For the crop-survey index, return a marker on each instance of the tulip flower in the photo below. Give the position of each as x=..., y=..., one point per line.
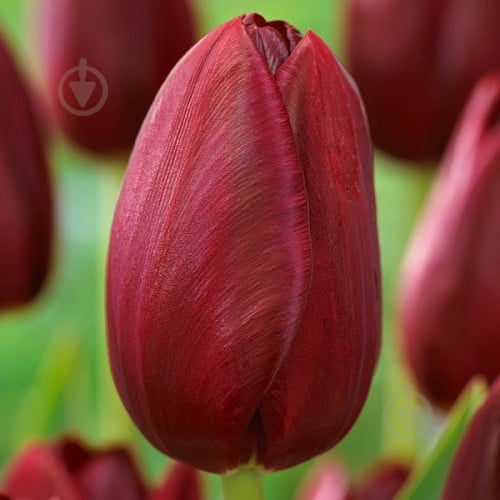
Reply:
x=243, y=276
x=181, y=483
x=70, y=471
x=475, y=472
x=450, y=287
x=25, y=195
x=416, y=63
x=105, y=61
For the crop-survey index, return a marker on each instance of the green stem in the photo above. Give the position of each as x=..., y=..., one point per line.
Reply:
x=246, y=484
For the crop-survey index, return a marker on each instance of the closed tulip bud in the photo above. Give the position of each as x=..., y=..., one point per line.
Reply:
x=416, y=63
x=104, y=61
x=450, y=286
x=70, y=471
x=25, y=195
x=474, y=471
x=243, y=276
x=181, y=483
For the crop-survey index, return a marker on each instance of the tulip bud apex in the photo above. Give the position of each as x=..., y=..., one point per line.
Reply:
x=475, y=471
x=243, y=275
x=181, y=483
x=416, y=63
x=69, y=471
x=25, y=195
x=450, y=287
x=104, y=62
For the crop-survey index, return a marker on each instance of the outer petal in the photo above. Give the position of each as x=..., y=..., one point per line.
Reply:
x=323, y=382
x=132, y=43
x=475, y=470
x=182, y=483
x=450, y=287
x=25, y=197
x=209, y=264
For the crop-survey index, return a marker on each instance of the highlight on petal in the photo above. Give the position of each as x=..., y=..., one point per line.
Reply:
x=209, y=264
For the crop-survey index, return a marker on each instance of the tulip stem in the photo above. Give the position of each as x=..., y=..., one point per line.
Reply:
x=246, y=484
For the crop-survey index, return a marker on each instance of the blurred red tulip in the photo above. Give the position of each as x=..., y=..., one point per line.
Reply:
x=475, y=470
x=450, y=287
x=122, y=48
x=70, y=471
x=326, y=481
x=416, y=62
x=382, y=482
x=243, y=278
x=181, y=483
x=25, y=195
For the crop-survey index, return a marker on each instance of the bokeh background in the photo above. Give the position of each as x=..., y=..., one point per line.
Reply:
x=54, y=375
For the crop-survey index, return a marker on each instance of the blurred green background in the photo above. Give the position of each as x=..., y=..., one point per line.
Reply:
x=54, y=375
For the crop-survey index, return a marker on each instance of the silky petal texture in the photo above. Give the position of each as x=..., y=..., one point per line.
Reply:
x=416, y=63
x=475, y=469
x=25, y=194
x=326, y=481
x=450, y=284
x=132, y=43
x=213, y=206
x=323, y=382
x=182, y=483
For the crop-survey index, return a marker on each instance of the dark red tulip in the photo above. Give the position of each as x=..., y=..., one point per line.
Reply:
x=25, y=195
x=450, y=287
x=382, y=482
x=326, y=481
x=181, y=483
x=416, y=63
x=71, y=471
x=133, y=44
x=243, y=278
x=475, y=469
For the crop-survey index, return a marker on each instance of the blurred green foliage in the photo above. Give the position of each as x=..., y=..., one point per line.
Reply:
x=53, y=369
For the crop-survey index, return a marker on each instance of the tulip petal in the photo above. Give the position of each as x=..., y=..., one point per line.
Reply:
x=324, y=380
x=209, y=264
